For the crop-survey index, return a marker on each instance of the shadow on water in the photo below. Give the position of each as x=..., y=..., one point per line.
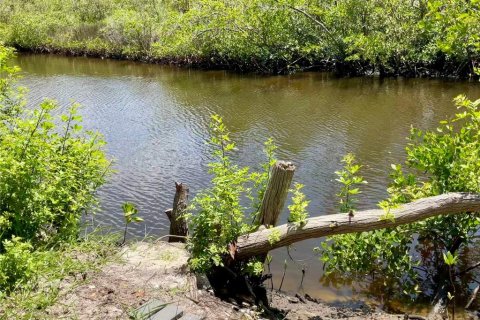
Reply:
x=155, y=119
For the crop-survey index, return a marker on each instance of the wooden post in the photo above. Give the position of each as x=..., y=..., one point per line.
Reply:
x=276, y=193
x=178, y=225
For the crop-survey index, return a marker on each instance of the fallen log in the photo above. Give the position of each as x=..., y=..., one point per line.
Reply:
x=257, y=243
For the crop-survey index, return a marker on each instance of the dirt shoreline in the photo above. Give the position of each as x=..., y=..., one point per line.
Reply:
x=440, y=70
x=143, y=271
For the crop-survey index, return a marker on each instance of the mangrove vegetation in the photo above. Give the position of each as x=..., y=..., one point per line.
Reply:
x=394, y=37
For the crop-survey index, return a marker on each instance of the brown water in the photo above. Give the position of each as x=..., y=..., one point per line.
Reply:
x=155, y=121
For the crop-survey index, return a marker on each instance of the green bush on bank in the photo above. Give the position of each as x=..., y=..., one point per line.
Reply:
x=39, y=277
x=217, y=216
x=437, y=161
x=271, y=36
x=50, y=169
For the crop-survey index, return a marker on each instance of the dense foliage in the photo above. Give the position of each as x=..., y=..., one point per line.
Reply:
x=440, y=161
x=219, y=215
x=229, y=208
x=40, y=277
x=389, y=37
x=50, y=170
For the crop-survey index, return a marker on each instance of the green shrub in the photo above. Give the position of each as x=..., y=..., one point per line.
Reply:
x=133, y=31
x=50, y=169
x=48, y=177
x=298, y=208
x=17, y=264
x=92, y=10
x=11, y=98
x=275, y=36
x=219, y=217
x=444, y=160
x=29, y=31
x=216, y=217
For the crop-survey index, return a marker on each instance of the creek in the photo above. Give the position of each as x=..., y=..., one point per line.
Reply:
x=155, y=120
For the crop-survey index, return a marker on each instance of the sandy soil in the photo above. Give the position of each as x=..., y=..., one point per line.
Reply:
x=159, y=270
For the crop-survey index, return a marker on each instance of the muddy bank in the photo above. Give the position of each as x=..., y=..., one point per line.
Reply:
x=439, y=69
x=159, y=270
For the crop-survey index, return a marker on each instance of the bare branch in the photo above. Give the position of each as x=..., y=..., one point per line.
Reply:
x=451, y=203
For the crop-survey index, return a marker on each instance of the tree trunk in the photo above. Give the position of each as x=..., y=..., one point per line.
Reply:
x=257, y=243
x=178, y=225
x=276, y=193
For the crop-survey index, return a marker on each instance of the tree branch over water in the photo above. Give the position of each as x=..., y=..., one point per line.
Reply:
x=451, y=203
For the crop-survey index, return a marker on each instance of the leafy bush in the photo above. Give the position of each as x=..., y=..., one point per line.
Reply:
x=17, y=263
x=220, y=217
x=29, y=31
x=50, y=170
x=131, y=30
x=216, y=216
x=298, y=208
x=92, y=10
x=48, y=177
x=276, y=36
x=454, y=27
x=440, y=161
x=11, y=99
x=349, y=179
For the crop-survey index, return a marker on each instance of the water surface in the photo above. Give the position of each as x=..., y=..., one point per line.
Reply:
x=155, y=120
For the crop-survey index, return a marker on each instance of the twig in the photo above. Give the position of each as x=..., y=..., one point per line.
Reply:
x=170, y=235
x=298, y=261
x=269, y=261
x=283, y=276
x=454, y=291
x=472, y=297
x=476, y=265
x=303, y=277
x=319, y=23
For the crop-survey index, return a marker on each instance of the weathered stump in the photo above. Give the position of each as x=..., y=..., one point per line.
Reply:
x=281, y=177
x=276, y=193
x=178, y=224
